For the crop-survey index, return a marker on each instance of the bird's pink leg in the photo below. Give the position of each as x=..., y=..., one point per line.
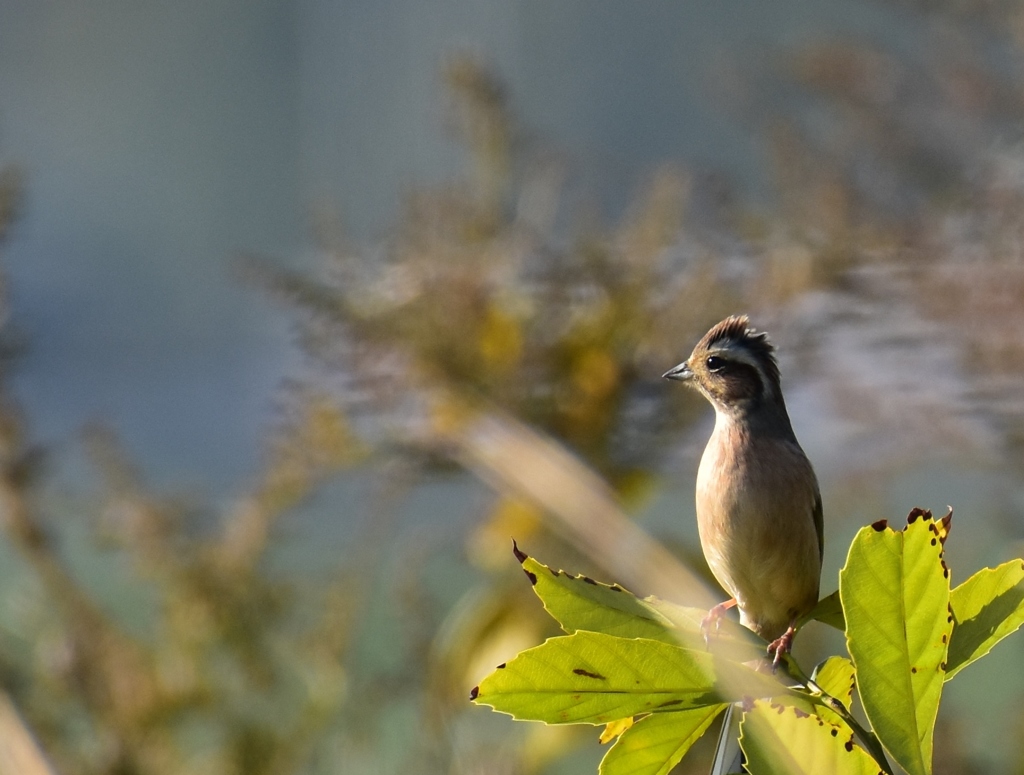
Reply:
x=781, y=645
x=710, y=623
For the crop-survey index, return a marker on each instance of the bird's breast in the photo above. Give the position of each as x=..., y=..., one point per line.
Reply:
x=756, y=499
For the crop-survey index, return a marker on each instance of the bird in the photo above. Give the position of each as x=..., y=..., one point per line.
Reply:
x=759, y=512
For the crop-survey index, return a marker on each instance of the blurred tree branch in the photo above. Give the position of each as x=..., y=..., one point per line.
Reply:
x=518, y=460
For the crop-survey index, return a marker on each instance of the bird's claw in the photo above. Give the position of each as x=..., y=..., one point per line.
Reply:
x=780, y=646
x=706, y=624
x=711, y=623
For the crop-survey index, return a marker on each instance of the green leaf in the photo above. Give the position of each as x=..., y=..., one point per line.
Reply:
x=837, y=678
x=580, y=603
x=829, y=610
x=986, y=608
x=593, y=678
x=782, y=740
x=656, y=743
x=895, y=593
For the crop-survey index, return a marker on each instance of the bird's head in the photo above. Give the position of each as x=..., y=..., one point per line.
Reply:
x=733, y=366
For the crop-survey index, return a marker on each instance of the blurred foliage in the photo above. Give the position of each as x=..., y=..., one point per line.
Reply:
x=895, y=212
x=494, y=295
x=480, y=292
x=899, y=163
x=225, y=678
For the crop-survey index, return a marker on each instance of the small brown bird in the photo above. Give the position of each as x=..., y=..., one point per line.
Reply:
x=758, y=506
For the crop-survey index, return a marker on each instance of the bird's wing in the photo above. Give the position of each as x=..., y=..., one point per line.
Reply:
x=819, y=526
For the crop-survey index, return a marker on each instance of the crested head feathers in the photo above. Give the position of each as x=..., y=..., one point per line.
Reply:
x=735, y=334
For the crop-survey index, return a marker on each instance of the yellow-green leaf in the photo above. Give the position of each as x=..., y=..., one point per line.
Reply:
x=895, y=594
x=986, y=608
x=656, y=743
x=581, y=603
x=829, y=610
x=614, y=728
x=782, y=740
x=836, y=677
x=593, y=678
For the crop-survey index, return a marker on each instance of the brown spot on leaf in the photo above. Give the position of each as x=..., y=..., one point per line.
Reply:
x=588, y=674
x=944, y=637
x=915, y=513
x=500, y=667
x=835, y=732
x=531, y=576
x=848, y=746
x=520, y=555
x=474, y=693
x=835, y=704
x=933, y=542
x=588, y=580
x=615, y=588
x=670, y=702
x=913, y=670
x=553, y=572
x=942, y=667
x=801, y=713
x=880, y=525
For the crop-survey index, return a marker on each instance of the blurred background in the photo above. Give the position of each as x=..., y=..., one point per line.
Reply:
x=310, y=306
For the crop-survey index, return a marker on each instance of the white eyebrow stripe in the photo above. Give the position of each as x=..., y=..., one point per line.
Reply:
x=736, y=352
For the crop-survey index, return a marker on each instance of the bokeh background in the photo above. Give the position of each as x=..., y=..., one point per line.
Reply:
x=311, y=306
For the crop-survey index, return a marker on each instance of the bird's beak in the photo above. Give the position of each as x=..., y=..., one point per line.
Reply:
x=682, y=372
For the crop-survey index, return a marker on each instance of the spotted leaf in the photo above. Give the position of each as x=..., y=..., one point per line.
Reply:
x=581, y=603
x=593, y=678
x=782, y=740
x=895, y=594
